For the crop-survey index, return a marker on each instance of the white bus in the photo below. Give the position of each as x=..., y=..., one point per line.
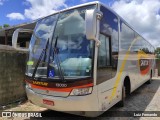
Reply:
x=85, y=58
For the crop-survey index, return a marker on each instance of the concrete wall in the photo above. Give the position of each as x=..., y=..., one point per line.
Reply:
x=12, y=70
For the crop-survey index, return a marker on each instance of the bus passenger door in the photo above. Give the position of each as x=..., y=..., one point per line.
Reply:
x=107, y=59
x=105, y=72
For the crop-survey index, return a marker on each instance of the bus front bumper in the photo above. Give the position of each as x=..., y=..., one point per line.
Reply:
x=87, y=104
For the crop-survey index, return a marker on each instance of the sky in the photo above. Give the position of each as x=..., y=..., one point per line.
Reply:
x=142, y=15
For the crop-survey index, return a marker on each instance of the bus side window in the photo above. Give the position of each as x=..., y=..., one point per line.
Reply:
x=104, y=56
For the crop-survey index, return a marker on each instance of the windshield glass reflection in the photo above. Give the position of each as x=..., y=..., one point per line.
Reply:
x=39, y=40
x=74, y=50
x=59, y=48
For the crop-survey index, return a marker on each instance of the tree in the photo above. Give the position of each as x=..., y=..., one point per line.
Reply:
x=6, y=25
x=157, y=51
x=0, y=27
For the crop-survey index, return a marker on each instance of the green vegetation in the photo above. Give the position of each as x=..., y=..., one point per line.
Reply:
x=157, y=51
x=4, y=26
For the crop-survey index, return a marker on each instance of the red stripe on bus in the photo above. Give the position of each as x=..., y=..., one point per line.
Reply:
x=61, y=89
x=144, y=72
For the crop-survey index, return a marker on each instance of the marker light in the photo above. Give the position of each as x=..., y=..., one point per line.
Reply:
x=28, y=86
x=81, y=91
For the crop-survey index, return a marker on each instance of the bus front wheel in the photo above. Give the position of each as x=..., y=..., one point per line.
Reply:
x=122, y=102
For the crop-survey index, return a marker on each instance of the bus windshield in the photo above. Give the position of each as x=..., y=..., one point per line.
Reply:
x=59, y=48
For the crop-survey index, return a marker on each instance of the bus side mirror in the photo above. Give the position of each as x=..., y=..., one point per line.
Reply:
x=91, y=24
x=91, y=18
x=15, y=38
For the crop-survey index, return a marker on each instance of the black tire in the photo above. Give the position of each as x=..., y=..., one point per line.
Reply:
x=122, y=102
x=150, y=79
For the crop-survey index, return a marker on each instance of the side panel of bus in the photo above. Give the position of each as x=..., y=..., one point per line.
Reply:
x=138, y=53
x=122, y=54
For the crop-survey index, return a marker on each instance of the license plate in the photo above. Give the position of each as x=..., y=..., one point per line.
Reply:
x=48, y=102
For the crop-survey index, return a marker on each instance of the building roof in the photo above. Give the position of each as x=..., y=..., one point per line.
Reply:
x=11, y=29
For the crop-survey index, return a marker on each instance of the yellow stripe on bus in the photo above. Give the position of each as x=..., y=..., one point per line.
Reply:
x=119, y=75
x=121, y=70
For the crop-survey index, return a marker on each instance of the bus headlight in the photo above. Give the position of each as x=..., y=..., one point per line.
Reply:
x=81, y=91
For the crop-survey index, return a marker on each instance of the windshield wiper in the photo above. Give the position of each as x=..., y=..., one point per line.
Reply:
x=55, y=50
x=40, y=58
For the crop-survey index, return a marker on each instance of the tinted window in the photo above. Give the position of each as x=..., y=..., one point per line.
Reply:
x=108, y=51
x=109, y=26
x=137, y=44
x=126, y=36
x=104, y=52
